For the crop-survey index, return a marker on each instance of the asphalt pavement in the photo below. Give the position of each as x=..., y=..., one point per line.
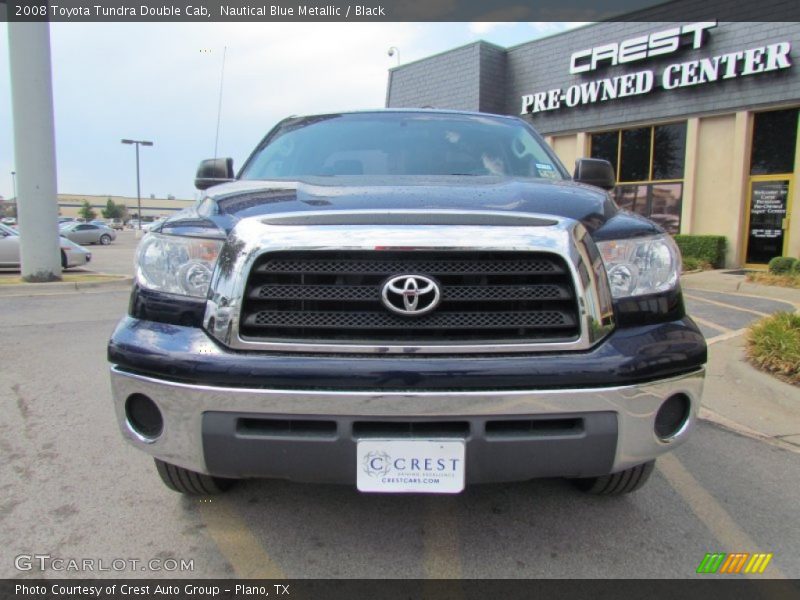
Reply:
x=71, y=488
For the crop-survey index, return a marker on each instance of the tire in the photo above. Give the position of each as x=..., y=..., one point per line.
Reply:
x=105, y=239
x=189, y=482
x=64, y=265
x=617, y=484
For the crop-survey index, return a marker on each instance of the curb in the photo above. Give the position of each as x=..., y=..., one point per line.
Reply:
x=61, y=287
x=727, y=284
x=709, y=415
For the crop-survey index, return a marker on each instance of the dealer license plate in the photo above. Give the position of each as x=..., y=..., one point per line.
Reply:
x=410, y=466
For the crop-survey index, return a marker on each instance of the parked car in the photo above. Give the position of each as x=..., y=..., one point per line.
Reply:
x=88, y=233
x=406, y=301
x=72, y=255
x=116, y=224
x=62, y=220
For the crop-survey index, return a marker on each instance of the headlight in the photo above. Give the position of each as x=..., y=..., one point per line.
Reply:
x=641, y=266
x=176, y=265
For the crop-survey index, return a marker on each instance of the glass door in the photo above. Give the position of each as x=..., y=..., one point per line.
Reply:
x=767, y=223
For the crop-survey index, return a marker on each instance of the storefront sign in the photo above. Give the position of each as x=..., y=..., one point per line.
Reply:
x=731, y=65
x=638, y=48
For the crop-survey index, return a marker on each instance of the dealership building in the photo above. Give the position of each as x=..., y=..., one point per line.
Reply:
x=699, y=118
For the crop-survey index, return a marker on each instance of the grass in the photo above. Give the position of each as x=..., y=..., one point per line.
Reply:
x=14, y=279
x=789, y=281
x=773, y=345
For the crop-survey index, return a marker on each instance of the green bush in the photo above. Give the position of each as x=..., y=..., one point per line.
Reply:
x=705, y=248
x=782, y=265
x=796, y=268
x=773, y=344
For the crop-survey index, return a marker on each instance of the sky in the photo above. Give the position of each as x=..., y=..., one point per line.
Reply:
x=161, y=82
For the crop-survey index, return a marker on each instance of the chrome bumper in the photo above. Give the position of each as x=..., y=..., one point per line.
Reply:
x=183, y=406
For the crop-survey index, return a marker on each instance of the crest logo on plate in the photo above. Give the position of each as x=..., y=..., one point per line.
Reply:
x=411, y=295
x=377, y=463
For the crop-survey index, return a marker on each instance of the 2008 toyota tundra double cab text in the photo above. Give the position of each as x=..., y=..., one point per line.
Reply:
x=408, y=301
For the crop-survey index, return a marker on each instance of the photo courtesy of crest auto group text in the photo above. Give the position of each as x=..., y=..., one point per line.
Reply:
x=382, y=300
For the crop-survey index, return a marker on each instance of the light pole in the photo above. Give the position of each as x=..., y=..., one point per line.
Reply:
x=395, y=50
x=138, y=189
x=14, y=184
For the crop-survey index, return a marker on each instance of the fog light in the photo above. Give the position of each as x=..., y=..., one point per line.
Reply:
x=143, y=416
x=672, y=416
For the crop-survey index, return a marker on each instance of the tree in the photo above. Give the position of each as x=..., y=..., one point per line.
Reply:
x=86, y=211
x=113, y=211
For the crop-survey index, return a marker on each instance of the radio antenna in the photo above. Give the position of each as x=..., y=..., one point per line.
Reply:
x=219, y=104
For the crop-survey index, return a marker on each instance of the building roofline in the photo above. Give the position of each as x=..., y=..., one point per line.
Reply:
x=443, y=52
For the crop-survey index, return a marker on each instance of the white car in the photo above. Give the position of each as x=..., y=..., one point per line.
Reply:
x=72, y=255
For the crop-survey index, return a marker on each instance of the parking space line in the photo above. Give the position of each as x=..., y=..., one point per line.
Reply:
x=236, y=542
x=716, y=519
x=440, y=539
x=725, y=336
x=729, y=306
x=721, y=328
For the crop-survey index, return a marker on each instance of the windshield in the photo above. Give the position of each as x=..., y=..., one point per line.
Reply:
x=402, y=144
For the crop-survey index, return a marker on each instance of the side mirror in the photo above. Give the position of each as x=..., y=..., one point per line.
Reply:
x=594, y=171
x=213, y=172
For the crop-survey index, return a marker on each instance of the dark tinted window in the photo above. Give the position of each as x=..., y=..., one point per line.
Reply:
x=605, y=145
x=402, y=144
x=774, y=139
x=635, y=155
x=669, y=151
x=660, y=202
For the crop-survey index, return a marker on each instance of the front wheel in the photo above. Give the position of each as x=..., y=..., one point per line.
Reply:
x=105, y=239
x=189, y=482
x=616, y=484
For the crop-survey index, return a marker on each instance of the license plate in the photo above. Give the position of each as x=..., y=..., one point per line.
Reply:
x=410, y=466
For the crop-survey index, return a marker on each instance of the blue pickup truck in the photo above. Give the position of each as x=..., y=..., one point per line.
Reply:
x=406, y=301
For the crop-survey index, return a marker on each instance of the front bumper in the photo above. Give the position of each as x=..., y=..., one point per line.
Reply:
x=594, y=430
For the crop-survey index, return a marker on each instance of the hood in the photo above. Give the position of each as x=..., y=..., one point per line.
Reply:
x=224, y=205
x=243, y=199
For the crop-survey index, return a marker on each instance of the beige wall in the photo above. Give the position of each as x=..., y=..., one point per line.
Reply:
x=717, y=197
x=793, y=248
x=69, y=204
x=566, y=148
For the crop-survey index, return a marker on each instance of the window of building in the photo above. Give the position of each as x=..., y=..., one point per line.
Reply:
x=649, y=165
x=774, y=139
x=606, y=146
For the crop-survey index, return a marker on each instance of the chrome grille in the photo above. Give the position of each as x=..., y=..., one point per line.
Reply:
x=326, y=296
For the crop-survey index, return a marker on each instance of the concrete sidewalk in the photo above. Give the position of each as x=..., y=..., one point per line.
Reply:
x=723, y=281
x=737, y=395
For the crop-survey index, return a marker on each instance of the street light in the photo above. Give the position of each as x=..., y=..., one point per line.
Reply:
x=14, y=183
x=138, y=189
x=395, y=50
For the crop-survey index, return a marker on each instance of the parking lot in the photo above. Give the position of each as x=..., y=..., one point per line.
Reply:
x=73, y=489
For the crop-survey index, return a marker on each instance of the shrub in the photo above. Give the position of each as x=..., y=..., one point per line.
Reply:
x=706, y=248
x=695, y=264
x=790, y=280
x=796, y=268
x=773, y=344
x=782, y=265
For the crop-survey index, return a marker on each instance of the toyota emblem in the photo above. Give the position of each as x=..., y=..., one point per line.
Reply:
x=411, y=295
